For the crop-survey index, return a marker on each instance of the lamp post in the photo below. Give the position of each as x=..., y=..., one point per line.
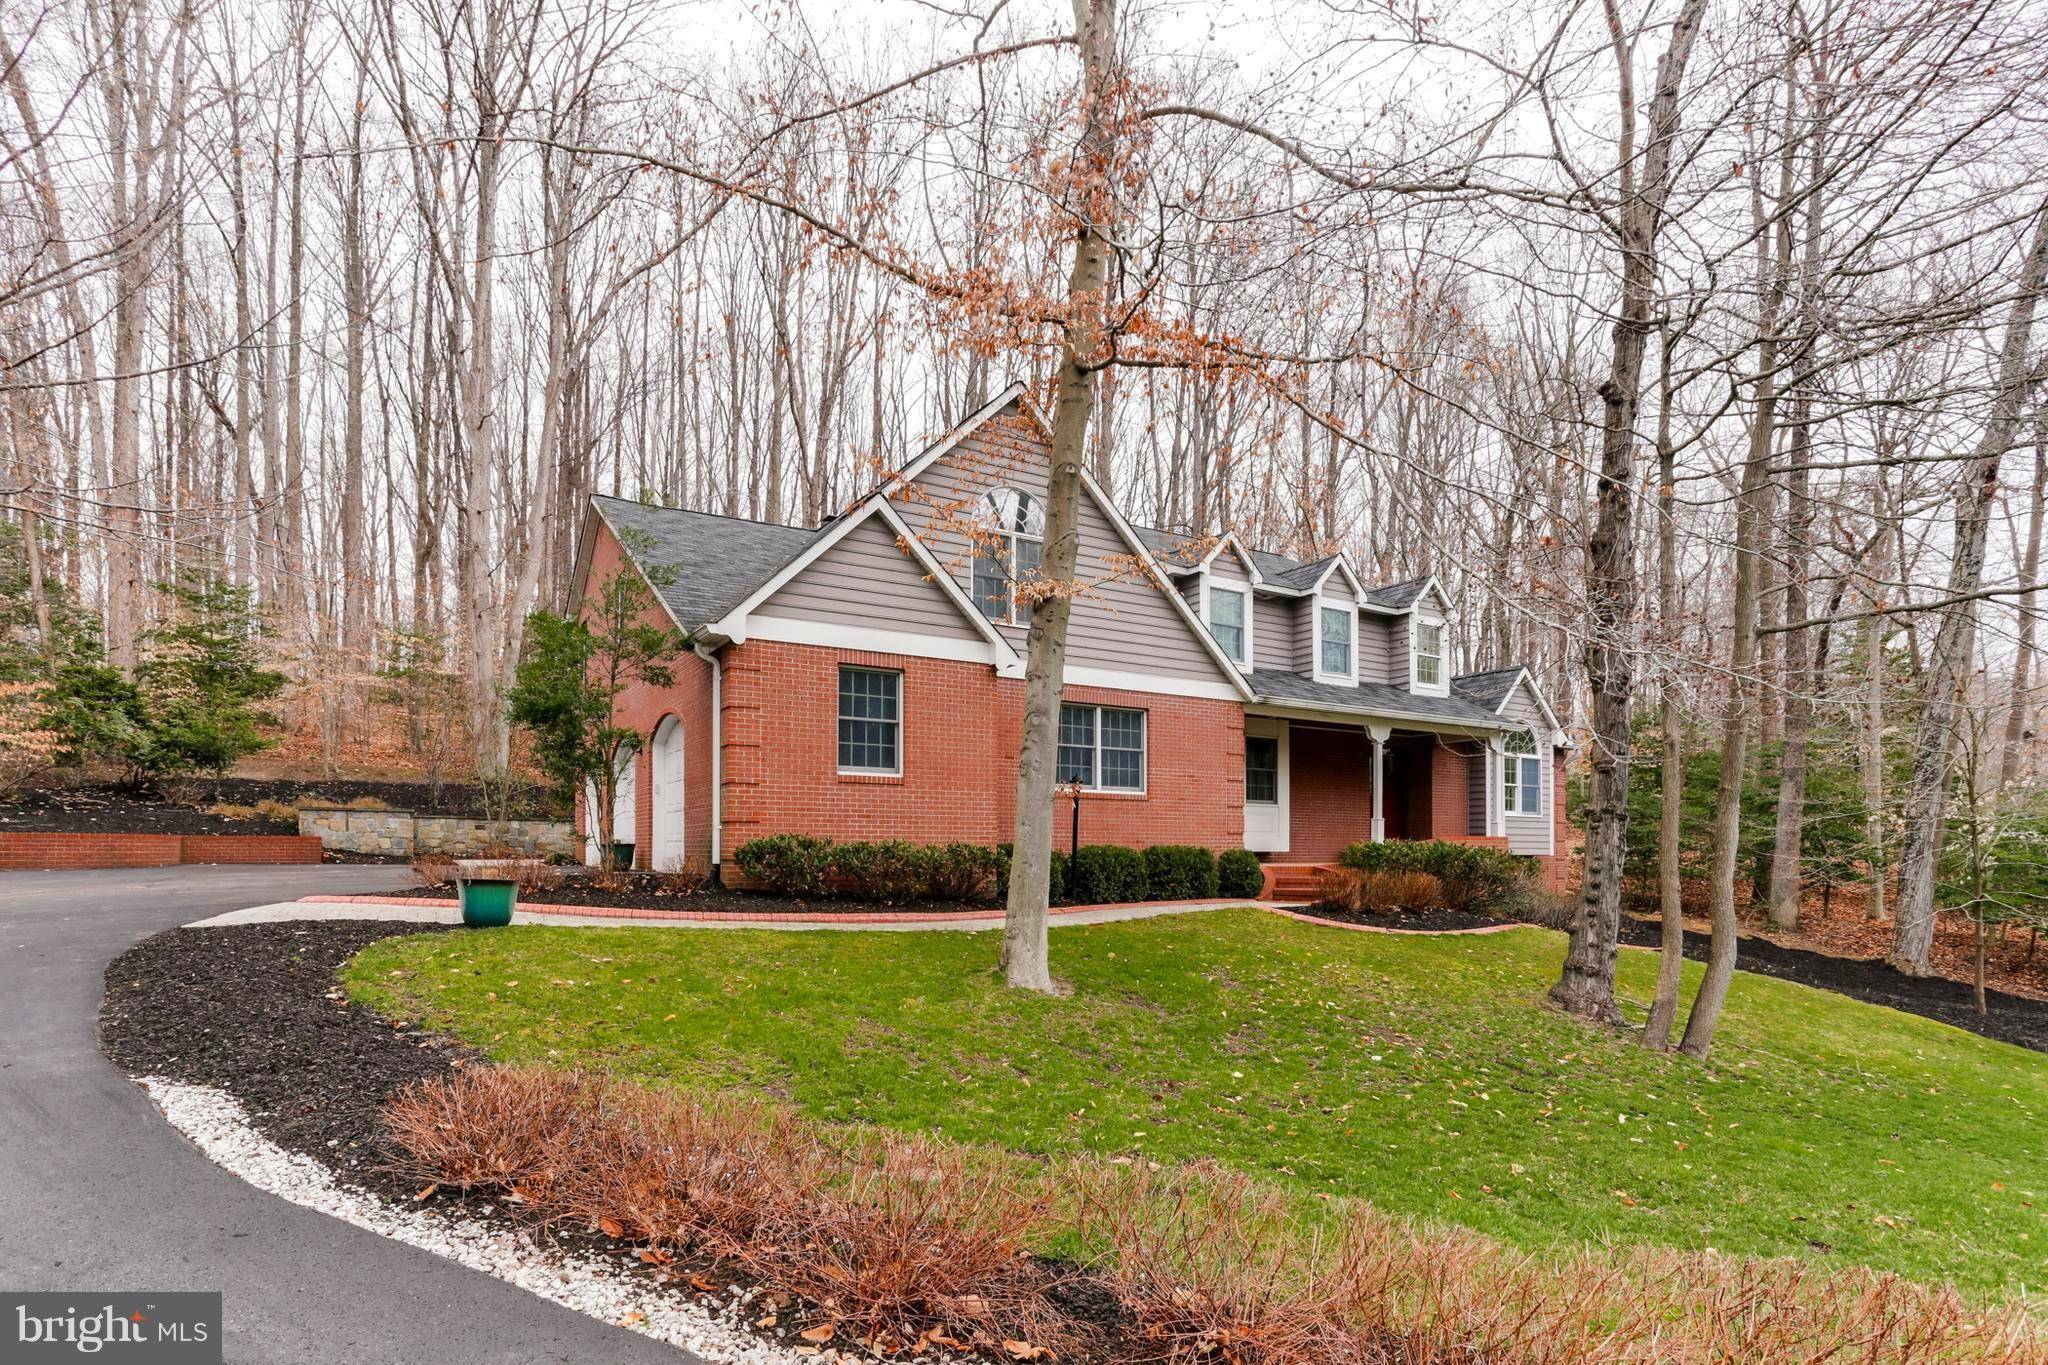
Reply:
x=1074, y=839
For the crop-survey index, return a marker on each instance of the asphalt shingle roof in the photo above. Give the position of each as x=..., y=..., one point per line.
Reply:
x=1488, y=689
x=717, y=560
x=1397, y=596
x=1174, y=551
x=1382, y=699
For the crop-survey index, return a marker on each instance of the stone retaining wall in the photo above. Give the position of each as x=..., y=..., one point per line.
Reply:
x=406, y=833
x=36, y=851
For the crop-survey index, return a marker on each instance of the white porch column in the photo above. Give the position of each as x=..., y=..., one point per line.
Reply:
x=1496, y=779
x=1379, y=735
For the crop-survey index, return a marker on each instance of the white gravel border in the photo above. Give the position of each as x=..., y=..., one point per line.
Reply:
x=715, y=1328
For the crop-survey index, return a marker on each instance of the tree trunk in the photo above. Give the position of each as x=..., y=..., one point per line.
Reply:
x=2023, y=654
x=1934, y=745
x=1585, y=987
x=1026, y=957
x=1671, y=764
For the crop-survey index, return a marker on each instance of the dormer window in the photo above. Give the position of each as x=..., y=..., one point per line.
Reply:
x=1229, y=611
x=1009, y=544
x=1429, y=654
x=1336, y=653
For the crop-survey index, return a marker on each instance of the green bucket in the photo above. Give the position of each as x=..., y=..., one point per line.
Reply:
x=487, y=902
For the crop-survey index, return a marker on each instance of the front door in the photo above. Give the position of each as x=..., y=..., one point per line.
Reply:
x=1265, y=784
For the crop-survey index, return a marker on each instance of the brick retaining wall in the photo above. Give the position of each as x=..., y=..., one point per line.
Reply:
x=56, y=852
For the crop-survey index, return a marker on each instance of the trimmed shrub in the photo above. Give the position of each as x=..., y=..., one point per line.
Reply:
x=1379, y=893
x=792, y=864
x=1239, y=873
x=960, y=872
x=885, y=870
x=1102, y=874
x=1006, y=851
x=1180, y=872
x=1482, y=880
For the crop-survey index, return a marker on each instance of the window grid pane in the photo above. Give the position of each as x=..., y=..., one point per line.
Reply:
x=1336, y=657
x=991, y=586
x=1029, y=555
x=869, y=719
x=1262, y=769
x=1226, y=621
x=1532, y=787
x=1077, y=746
x=1123, y=750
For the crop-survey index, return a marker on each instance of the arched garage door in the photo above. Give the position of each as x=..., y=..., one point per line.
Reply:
x=668, y=851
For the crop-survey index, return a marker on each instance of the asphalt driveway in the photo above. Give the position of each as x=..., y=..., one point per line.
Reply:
x=98, y=1192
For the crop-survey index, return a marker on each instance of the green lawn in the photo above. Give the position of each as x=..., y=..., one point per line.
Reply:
x=1421, y=1073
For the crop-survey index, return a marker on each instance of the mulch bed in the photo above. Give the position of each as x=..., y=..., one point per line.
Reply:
x=256, y=1010
x=1430, y=921
x=183, y=810
x=2013, y=1018
x=656, y=891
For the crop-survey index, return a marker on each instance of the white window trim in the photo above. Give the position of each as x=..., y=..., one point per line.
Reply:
x=1144, y=750
x=1244, y=590
x=1442, y=686
x=1512, y=807
x=1350, y=655
x=901, y=727
x=1269, y=727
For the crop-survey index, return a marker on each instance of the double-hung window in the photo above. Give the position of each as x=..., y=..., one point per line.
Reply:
x=1009, y=545
x=870, y=721
x=1102, y=748
x=1333, y=640
x=1227, y=608
x=1262, y=769
x=1429, y=654
x=1522, y=776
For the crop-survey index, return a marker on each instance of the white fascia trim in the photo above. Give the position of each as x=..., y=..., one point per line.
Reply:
x=1121, y=681
x=1240, y=586
x=737, y=624
x=1406, y=720
x=626, y=553
x=1523, y=677
x=1241, y=689
x=832, y=635
x=960, y=432
x=1230, y=538
x=1351, y=655
x=1342, y=560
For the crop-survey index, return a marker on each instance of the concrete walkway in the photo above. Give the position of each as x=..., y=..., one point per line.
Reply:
x=421, y=911
x=402, y=910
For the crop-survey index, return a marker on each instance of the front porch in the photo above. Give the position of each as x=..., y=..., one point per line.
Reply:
x=1314, y=787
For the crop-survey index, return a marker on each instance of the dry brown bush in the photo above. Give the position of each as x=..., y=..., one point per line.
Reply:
x=890, y=1239
x=1380, y=893
x=278, y=810
x=229, y=811
x=433, y=869
x=894, y=1238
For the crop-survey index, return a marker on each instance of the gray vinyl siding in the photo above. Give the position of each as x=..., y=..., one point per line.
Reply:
x=1376, y=651
x=1532, y=833
x=1228, y=564
x=1273, y=646
x=866, y=580
x=1305, y=636
x=1124, y=623
x=1399, y=667
x=1191, y=592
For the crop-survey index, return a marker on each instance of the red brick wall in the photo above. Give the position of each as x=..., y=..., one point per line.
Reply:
x=961, y=729
x=1329, y=792
x=26, y=852
x=642, y=708
x=1561, y=873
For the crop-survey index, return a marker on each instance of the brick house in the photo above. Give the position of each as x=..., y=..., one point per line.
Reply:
x=865, y=679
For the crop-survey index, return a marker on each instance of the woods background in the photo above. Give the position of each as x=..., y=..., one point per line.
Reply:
x=352, y=307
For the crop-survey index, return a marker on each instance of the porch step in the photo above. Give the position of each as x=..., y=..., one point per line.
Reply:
x=1295, y=881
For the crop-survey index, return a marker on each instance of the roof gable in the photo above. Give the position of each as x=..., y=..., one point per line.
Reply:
x=714, y=561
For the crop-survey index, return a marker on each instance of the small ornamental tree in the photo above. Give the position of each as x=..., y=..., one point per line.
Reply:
x=570, y=677
x=202, y=681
